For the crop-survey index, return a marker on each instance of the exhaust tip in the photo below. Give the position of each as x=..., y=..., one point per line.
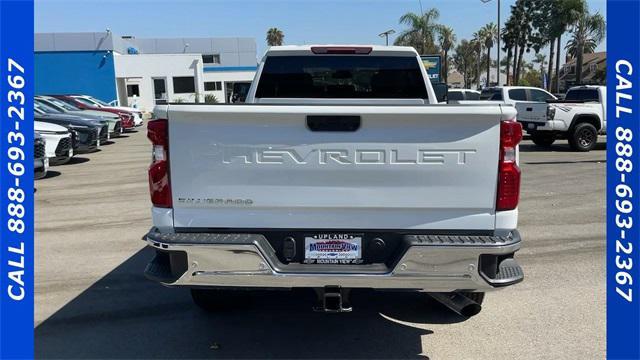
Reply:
x=458, y=303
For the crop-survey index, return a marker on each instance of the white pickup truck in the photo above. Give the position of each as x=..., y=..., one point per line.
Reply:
x=579, y=118
x=530, y=102
x=342, y=172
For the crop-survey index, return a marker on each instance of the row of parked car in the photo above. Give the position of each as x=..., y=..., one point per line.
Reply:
x=66, y=125
x=579, y=116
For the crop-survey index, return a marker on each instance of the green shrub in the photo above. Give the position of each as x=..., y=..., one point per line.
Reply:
x=210, y=99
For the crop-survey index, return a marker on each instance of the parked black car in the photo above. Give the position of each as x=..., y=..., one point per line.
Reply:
x=40, y=161
x=51, y=105
x=87, y=135
x=63, y=119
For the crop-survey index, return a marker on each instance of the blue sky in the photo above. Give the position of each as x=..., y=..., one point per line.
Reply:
x=302, y=21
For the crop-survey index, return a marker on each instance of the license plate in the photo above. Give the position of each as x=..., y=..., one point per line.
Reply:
x=532, y=126
x=109, y=136
x=70, y=152
x=333, y=248
x=46, y=164
x=98, y=143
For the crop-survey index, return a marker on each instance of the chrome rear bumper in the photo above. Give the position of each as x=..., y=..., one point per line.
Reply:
x=431, y=263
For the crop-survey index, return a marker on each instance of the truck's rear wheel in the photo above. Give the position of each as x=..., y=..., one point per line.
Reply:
x=542, y=139
x=584, y=137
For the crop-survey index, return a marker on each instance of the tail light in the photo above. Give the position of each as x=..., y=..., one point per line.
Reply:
x=127, y=120
x=159, y=182
x=508, y=170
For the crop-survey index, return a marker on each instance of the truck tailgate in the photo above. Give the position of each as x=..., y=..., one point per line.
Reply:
x=404, y=167
x=532, y=112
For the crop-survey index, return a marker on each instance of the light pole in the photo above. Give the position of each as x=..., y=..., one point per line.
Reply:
x=386, y=34
x=498, y=67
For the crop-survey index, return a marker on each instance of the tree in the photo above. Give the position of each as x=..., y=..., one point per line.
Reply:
x=275, y=37
x=532, y=77
x=509, y=41
x=487, y=35
x=464, y=60
x=564, y=14
x=588, y=31
x=544, y=20
x=478, y=45
x=421, y=32
x=520, y=27
x=601, y=76
x=541, y=60
x=447, y=39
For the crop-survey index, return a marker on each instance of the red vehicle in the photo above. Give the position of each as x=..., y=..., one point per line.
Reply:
x=125, y=116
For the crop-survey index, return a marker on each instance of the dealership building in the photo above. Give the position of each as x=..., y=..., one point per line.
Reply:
x=142, y=71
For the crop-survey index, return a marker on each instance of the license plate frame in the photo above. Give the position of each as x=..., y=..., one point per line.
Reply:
x=333, y=248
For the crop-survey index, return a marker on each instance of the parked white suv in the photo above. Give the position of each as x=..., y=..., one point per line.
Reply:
x=579, y=118
x=342, y=171
x=59, y=142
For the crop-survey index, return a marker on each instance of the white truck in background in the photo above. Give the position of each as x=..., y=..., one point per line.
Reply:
x=341, y=172
x=530, y=102
x=580, y=117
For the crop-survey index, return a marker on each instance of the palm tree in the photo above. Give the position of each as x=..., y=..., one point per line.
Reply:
x=478, y=42
x=275, y=37
x=544, y=20
x=421, y=32
x=540, y=59
x=509, y=41
x=565, y=13
x=447, y=39
x=587, y=33
x=488, y=34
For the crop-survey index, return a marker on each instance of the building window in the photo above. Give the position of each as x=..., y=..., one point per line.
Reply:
x=211, y=58
x=593, y=67
x=184, y=85
x=212, y=86
x=133, y=90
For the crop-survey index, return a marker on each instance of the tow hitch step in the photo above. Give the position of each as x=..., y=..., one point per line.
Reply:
x=333, y=299
x=509, y=273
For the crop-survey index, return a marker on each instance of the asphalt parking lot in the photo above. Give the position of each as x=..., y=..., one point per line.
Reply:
x=92, y=300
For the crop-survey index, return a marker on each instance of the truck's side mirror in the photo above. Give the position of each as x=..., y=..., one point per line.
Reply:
x=442, y=92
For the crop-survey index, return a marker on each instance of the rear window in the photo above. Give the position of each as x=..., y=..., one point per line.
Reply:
x=583, y=95
x=491, y=94
x=472, y=95
x=455, y=95
x=518, y=94
x=539, y=95
x=340, y=76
